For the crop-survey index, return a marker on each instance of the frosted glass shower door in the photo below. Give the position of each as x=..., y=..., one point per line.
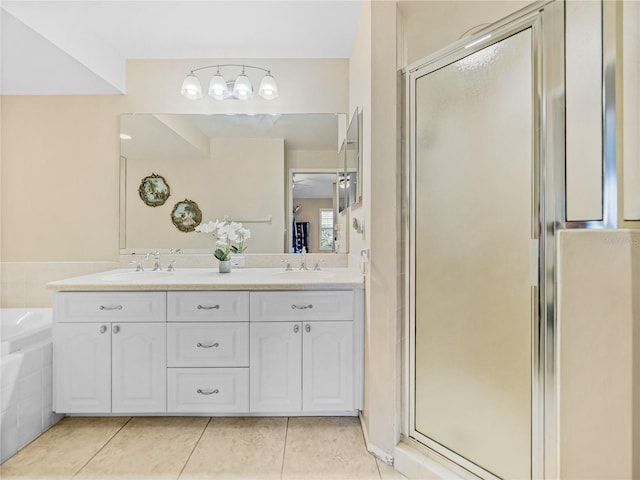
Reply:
x=473, y=228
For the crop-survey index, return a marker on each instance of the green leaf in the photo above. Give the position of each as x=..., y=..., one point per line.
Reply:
x=220, y=254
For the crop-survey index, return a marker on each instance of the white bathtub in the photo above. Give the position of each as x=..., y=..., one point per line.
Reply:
x=21, y=327
x=26, y=378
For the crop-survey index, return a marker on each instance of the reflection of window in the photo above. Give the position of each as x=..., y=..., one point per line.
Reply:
x=326, y=229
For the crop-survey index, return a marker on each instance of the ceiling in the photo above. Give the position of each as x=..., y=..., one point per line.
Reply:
x=80, y=47
x=313, y=185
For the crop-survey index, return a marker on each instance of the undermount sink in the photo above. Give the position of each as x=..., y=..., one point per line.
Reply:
x=133, y=275
x=302, y=274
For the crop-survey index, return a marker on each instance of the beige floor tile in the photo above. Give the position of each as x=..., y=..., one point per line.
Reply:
x=327, y=448
x=63, y=449
x=387, y=472
x=244, y=448
x=147, y=448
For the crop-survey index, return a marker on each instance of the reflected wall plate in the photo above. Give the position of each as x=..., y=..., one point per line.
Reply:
x=154, y=190
x=186, y=215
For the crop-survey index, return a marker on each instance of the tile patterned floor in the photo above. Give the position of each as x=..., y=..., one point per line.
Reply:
x=190, y=448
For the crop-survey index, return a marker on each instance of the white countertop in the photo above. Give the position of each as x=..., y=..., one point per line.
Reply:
x=210, y=279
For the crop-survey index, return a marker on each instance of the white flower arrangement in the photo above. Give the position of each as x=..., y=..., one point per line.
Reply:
x=230, y=237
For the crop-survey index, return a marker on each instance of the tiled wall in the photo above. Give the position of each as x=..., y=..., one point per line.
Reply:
x=26, y=397
x=23, y=284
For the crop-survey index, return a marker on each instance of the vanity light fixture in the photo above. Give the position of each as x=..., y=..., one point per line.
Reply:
x=221, y=89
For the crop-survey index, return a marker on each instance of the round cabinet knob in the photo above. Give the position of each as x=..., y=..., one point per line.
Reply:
x=307, y=328
x=116, y=329
x=103, y=328
x=296, y=328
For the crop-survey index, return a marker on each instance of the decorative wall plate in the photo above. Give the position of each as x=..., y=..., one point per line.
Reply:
x=186, y=215
x=154, y=190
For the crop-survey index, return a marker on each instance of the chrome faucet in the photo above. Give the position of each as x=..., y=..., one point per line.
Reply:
x=287, y=265
x=172, y=263
x=156, y=261
x=303, y=263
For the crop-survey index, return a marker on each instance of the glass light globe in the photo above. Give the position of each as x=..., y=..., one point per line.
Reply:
x=218, y=87
x=268, y=88
x=191, y=88
x=242, y=88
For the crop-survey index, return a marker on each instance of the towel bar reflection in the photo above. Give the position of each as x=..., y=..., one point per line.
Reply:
x=269, y=219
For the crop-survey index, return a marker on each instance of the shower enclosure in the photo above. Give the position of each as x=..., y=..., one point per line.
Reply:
x=483, y=122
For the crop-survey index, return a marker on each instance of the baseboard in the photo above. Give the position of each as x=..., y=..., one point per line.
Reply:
x=373, y=449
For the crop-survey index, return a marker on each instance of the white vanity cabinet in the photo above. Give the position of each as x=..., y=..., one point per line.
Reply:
x=208, y=352
x=305, y=363
x=110, y=352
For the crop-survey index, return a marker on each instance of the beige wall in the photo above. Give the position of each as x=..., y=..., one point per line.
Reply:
x=59, y=178
x=431, y=25
x=373, y=90
x=598, y=274
x=312, y=159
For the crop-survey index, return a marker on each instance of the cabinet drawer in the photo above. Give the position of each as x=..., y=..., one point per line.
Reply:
x=109, y=306
x=208, y=306
x=208, y=390
x=208, y=344
x=301, y=306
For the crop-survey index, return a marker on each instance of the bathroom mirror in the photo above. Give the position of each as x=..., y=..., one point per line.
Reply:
x=629, y=103
x=350, y=183
x=313, y=217
x=233, y=166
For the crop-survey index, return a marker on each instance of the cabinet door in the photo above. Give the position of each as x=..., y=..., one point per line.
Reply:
x=328, y=367
x=275, y=367
x=82, y=365
x=139, y=367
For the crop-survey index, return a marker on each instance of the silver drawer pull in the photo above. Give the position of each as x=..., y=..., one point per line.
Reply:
x=301, y=307
x=208, y=307
x=110, y=307
x=207, y=345
x=207, y=392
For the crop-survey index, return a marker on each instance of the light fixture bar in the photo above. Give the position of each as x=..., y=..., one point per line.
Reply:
x=221, y=89
x=222, y=65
